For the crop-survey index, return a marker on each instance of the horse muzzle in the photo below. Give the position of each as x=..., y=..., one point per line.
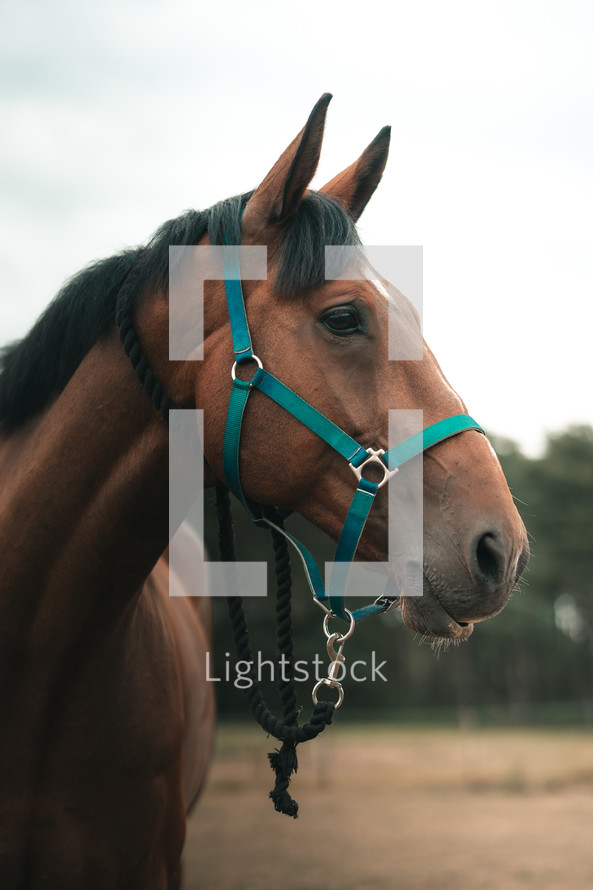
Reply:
x=453, y=601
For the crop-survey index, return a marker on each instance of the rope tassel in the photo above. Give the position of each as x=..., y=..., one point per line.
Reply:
x=284, y=762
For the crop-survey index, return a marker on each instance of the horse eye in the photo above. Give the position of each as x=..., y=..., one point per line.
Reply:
x=344, y=320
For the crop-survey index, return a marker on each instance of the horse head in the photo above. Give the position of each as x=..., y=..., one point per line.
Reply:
x=327, y=340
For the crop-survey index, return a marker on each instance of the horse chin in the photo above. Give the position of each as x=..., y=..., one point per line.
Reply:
x=426, y=615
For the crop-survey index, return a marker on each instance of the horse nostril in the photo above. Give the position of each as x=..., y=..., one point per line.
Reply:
x=489, y=559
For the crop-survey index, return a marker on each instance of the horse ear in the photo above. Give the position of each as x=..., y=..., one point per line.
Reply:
x=355, y=185
x=281, y=192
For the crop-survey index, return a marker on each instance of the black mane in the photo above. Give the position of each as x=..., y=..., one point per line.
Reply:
x=36, y=369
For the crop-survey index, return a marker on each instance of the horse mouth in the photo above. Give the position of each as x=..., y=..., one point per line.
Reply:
x=427, y=615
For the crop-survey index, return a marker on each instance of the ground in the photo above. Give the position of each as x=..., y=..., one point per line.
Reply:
x=400, y=809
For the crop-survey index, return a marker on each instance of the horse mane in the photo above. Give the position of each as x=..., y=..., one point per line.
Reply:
x=34, y=370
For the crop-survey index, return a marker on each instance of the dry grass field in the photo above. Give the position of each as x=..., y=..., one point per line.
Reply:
x=405, y=808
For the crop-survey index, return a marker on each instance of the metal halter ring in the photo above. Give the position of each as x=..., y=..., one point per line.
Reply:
x=340, y=638
x=374, y=458
x=333, y=684
x=252, y=358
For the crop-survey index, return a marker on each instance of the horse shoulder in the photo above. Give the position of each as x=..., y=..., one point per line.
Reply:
x=190, y=618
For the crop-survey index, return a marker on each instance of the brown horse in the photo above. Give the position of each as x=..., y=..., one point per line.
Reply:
x=106, y=717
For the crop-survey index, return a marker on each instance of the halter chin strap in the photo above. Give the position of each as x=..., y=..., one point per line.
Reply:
x=357, y=457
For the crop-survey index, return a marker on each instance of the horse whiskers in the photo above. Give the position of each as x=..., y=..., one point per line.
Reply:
x=437, y=644
x=442, y=645
x=519, y=501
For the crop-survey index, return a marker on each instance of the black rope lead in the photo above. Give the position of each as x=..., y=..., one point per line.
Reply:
x=283, y=760
x=124, y=320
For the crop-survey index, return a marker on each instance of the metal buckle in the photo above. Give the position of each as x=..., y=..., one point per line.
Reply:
x=374, y=458
x=389, y=602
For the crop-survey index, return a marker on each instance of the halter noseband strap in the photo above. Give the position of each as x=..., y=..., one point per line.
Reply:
x=357, y=456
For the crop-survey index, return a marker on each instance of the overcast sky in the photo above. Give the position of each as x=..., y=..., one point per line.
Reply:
x=119, y=115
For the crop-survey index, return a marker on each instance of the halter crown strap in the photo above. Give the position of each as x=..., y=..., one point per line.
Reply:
x=236, y=305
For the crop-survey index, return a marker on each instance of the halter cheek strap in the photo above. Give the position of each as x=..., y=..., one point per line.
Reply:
x=331, y=601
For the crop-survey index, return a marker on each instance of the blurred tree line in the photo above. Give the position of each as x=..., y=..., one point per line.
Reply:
x=533, y=662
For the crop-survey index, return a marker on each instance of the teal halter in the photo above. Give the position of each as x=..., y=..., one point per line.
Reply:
x=356, y=456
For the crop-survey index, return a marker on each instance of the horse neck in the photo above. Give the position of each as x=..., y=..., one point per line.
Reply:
x=83, y=512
